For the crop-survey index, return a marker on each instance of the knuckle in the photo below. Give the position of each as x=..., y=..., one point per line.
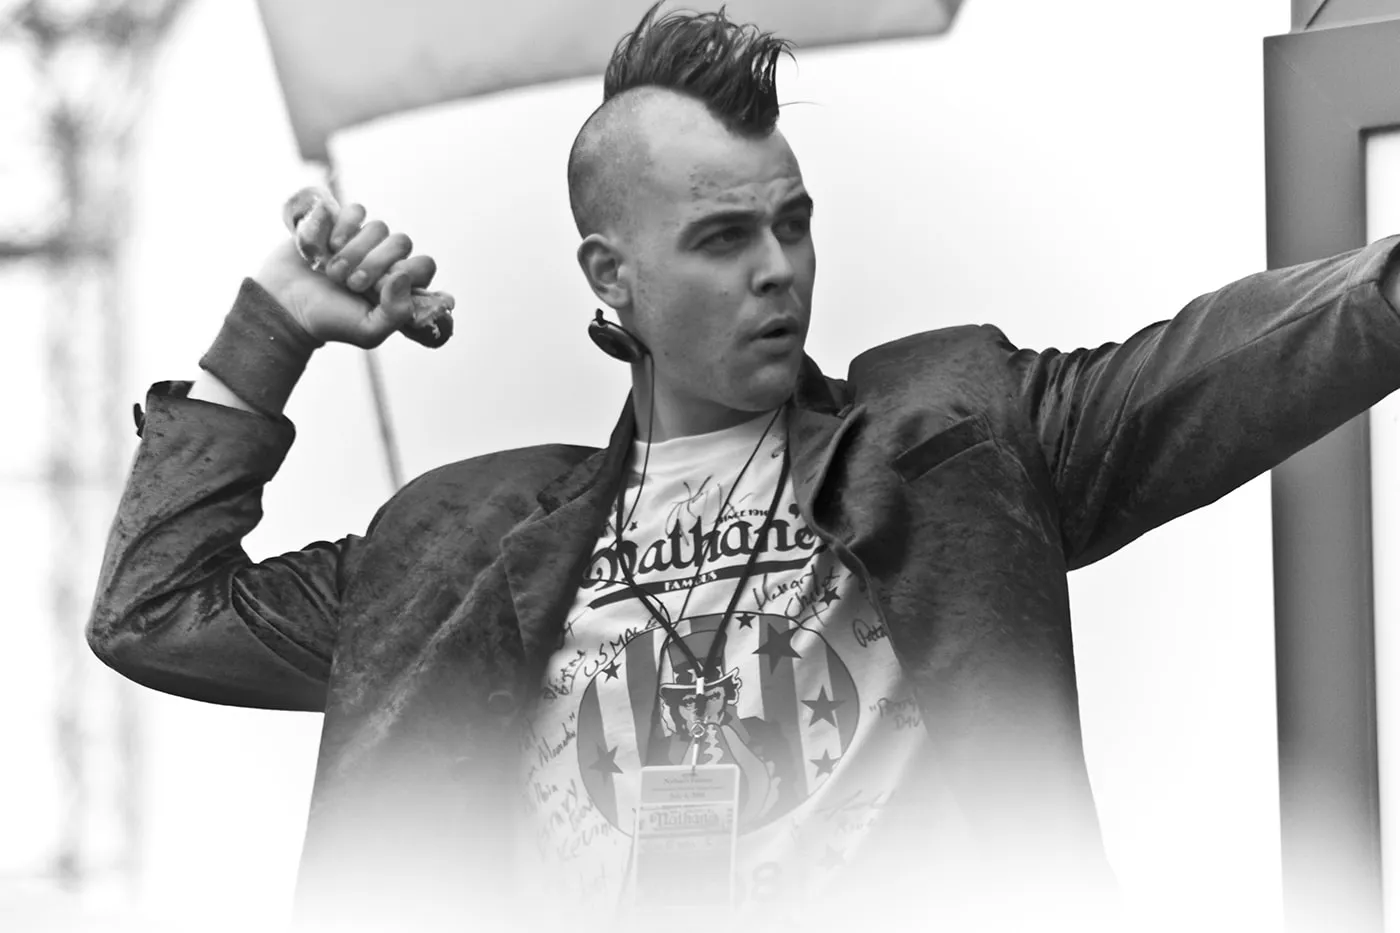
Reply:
x=377, y=229
x=400, y=241
x=348, y=256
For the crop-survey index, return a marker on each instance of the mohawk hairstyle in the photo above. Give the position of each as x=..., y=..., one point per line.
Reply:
x=729, y=67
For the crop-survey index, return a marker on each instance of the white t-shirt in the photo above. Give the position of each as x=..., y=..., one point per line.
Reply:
x=808, y=701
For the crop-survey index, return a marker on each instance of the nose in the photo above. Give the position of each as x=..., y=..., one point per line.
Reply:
x=775, y=272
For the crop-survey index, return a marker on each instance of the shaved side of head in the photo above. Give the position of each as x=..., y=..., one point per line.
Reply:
x=667, y=75
x=611, y=156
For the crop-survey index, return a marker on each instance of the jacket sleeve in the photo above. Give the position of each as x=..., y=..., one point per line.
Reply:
x=1188, y=409
x=179, y=605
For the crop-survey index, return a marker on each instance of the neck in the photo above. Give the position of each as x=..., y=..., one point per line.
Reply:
x=677, y=417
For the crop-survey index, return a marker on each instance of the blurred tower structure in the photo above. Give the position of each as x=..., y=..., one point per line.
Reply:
x=75, y=76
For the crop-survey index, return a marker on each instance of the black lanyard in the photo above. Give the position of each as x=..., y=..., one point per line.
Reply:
x=660, y=614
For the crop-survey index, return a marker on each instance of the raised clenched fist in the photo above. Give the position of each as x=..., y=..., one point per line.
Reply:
x=348, y=281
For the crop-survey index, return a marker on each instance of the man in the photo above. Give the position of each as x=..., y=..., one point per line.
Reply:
x=789, y=643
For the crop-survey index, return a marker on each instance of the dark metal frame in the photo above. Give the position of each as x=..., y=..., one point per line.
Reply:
x=1326, y=89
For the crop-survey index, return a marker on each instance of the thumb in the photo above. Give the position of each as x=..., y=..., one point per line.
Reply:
x=398, y=299
x=394, y=310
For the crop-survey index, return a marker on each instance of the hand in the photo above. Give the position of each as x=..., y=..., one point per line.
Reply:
x=309, y=275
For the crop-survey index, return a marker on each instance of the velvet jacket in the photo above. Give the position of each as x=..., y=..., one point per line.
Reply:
x=959, y=476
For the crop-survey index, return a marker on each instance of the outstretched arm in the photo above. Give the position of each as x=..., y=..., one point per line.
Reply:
x=1187, y=409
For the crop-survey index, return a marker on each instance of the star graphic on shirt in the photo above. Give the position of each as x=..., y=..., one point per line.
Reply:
x=828, y=597
x=824, y=764
x=746, y=620
x=604, y=764
x=611, y=670
x=776, y=646
x=832, y=859
x=823, y=707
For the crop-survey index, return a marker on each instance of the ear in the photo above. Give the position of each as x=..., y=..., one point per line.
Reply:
x=601, y=263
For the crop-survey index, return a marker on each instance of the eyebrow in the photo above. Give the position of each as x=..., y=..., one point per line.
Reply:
x=803, y=200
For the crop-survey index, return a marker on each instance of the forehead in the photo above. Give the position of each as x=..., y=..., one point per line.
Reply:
x=701, y=167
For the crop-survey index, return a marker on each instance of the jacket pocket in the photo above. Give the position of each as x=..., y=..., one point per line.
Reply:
x=939, y=448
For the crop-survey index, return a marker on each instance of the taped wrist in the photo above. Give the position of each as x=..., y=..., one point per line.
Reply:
x=261, y=351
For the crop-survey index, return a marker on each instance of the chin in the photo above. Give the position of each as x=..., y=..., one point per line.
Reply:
x=770, y=393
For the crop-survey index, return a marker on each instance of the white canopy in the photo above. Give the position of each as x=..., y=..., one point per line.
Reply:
x=346, y=62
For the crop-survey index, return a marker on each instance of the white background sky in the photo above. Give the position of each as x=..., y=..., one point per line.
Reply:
x=1069, y=172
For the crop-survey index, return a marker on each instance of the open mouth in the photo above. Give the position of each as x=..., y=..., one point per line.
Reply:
x=780, y=340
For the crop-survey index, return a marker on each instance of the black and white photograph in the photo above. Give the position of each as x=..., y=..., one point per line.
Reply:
x=445, y=496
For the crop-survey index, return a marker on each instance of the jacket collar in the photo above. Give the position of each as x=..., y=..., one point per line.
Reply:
x=545, y=555
x=814, y=395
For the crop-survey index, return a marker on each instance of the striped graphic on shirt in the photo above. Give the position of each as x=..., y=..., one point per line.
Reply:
x=788, y=733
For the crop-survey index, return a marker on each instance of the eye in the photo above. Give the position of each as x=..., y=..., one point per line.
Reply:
x=799, y=226
x=726, y=237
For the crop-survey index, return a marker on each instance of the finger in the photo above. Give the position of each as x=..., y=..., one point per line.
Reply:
x=298, y=205
x=313, y=234
x=395, y=247
x=347, y=224
x=419, y=269
x=394, y=310
x=348, y=259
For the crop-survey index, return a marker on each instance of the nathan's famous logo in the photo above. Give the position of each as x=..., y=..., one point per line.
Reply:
x=688, y=818
x=651, y=705
x=691, y=548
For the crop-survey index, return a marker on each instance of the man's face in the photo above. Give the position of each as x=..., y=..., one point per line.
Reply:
x=689, y=707
x=704, y=284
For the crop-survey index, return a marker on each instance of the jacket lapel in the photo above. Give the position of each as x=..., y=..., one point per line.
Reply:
x=545, y=554
x=813, y=437
x=817, y=420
